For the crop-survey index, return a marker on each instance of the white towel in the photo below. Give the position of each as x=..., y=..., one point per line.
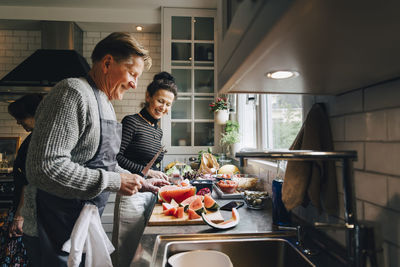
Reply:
x=88, y=237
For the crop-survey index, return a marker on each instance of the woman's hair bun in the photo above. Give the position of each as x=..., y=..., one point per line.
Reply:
x=164, y=75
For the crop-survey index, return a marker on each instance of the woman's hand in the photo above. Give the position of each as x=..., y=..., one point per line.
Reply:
x=15, y=228
x=153, y=185
x=157, y=174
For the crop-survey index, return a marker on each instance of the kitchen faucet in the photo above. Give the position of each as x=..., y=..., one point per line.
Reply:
x=357, y=235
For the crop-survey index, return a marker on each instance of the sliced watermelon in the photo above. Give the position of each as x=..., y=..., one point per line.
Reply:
x=170, y=211
x=197, y=206
x=179, y=212
x=189, y=200
x=167, y=206
x=232, y=222
x=179, y=194
x=209, y=203
x=193, y=215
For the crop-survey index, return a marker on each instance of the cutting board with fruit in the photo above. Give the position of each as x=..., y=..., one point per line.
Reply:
x=159, y=218
x=187, y=212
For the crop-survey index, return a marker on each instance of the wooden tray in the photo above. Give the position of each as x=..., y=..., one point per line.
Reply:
x=158, y=218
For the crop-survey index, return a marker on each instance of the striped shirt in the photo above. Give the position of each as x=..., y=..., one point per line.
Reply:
x=140, y=142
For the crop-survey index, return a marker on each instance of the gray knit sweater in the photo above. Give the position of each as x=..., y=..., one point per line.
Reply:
x=66, y=135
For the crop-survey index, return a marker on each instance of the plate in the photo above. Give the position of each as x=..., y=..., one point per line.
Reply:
x=223, y=195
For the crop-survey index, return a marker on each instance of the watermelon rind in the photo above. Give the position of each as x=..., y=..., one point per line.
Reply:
x=232, y=222
x=210, y=204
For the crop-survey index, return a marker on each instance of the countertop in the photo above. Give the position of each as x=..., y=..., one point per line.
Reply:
x=251, y=221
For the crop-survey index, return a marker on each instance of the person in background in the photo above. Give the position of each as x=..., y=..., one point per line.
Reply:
x=23, y=110
x=72, y=155
x=141, y=140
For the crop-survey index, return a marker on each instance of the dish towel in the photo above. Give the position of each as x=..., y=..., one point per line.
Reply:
x=88, y=237
x=313, y=181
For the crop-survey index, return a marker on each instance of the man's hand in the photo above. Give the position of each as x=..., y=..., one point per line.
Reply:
x=153, y=185
x=16, y=226
x=157, y=174
x=130, y=184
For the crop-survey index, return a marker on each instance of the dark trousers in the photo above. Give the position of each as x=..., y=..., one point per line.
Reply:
x=31, y=244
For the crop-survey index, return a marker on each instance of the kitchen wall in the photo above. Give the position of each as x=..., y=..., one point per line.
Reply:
x=16, y=45
x=368, y=121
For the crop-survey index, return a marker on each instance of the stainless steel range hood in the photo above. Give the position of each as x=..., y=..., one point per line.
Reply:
x=59, y=58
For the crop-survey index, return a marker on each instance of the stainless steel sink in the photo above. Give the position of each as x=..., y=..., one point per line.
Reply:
x=244, y=250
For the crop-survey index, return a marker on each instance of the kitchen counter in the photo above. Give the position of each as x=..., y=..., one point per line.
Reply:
x=251, y=222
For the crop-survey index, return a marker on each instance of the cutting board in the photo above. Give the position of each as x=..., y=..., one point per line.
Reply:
x=158, y=218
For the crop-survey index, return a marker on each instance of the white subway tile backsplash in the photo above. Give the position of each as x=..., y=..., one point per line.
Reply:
x=337, y=128
x=393, y=123
x=355, y=127
x=371, y=187
x=93, y=34
x=356, y=146
x=382, y=96
x=376, y=126
x=383, y=158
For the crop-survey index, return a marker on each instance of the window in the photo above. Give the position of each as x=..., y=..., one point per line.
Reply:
x=279, y=118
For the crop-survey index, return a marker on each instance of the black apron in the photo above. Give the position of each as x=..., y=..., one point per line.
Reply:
x=57, y=216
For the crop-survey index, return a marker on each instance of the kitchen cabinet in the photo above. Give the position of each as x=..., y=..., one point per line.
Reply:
x=188, y=49
x=335, y=46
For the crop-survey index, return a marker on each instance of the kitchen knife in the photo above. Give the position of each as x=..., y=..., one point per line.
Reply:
x=146, y=169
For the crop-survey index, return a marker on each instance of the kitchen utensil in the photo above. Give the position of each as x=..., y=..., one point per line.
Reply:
x=151, y=162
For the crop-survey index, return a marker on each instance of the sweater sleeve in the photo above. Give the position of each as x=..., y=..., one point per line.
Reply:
x=128, y=133
x=62, y=119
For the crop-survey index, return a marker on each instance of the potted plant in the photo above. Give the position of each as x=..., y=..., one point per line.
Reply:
x=221, y=110
x=230, y=136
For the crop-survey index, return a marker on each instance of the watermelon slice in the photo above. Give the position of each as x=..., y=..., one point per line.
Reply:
x=179, y=212
x=232, y=222
x=197, y=206
x=170, y=211
x=209, y=203
x=179, y=194
x=167, y=206
x=193, y=215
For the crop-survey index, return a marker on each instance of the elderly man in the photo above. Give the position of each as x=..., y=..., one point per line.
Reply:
x=72, y=155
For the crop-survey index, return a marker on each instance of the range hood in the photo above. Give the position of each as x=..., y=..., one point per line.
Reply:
x=59, y=58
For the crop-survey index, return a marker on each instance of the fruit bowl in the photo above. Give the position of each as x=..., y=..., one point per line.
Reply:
x=227, y=186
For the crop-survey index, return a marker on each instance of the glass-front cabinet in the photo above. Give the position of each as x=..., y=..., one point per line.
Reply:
x=188, y=53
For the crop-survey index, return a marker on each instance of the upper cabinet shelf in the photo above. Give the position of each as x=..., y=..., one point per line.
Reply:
x=335, y=46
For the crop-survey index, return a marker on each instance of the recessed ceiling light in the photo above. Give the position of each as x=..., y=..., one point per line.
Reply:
x=282, y=74
x=139, y=28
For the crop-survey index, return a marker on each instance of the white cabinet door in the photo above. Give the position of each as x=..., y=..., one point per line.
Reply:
x=189, y=53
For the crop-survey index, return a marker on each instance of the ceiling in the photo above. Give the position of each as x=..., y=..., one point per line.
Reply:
x=93, y=15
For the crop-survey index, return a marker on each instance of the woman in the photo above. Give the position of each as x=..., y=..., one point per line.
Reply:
x=72, y=155
x=141, y=140
x=23, y=110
